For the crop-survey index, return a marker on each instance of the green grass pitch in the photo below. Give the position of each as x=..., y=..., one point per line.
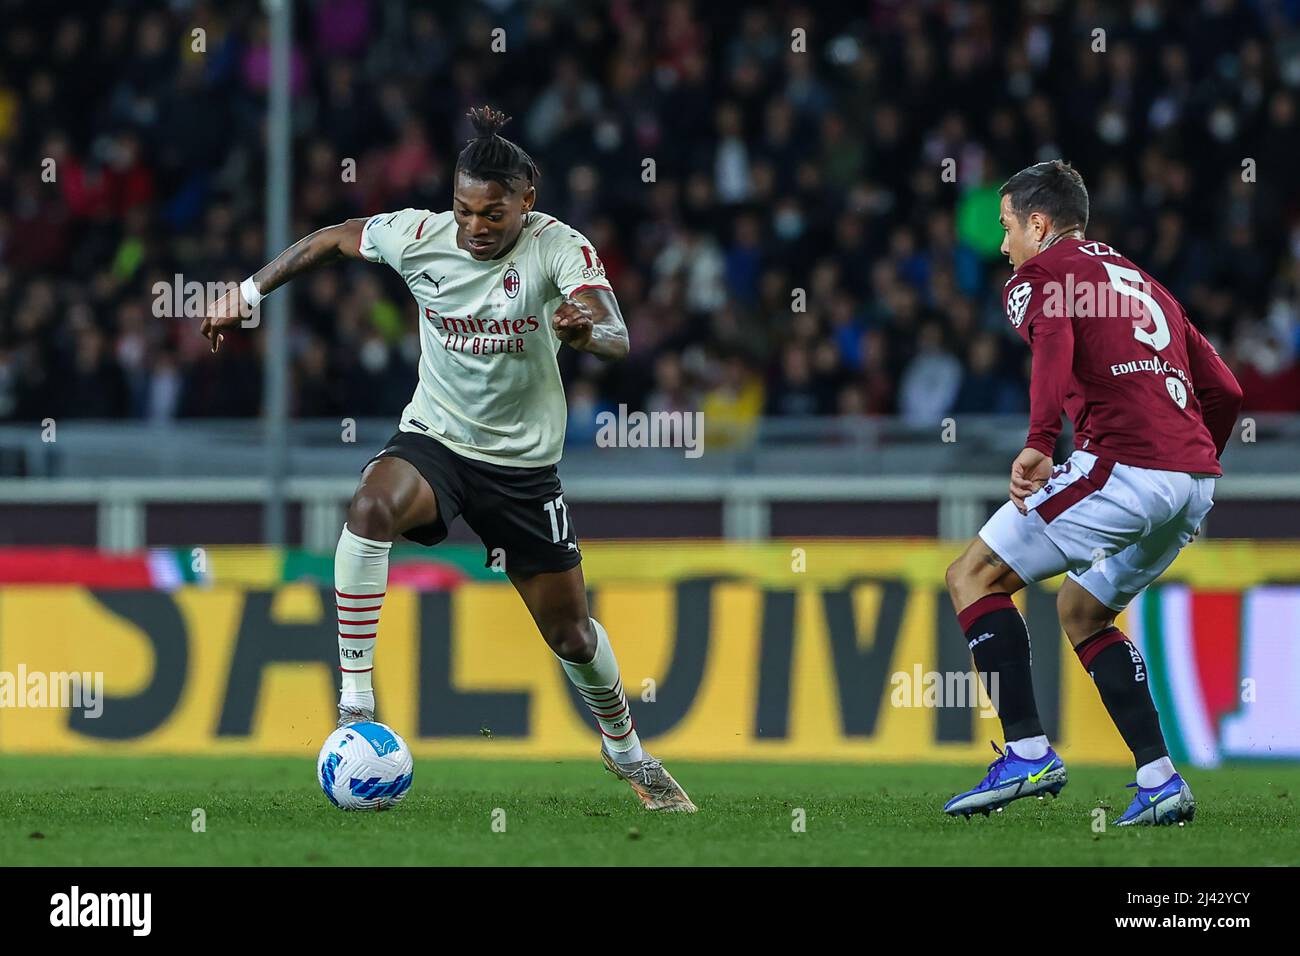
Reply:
x=75, y=811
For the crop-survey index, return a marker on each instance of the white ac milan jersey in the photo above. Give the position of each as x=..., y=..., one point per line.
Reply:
x=490, y=385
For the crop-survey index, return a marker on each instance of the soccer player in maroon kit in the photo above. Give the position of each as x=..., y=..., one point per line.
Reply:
x=1153, y=407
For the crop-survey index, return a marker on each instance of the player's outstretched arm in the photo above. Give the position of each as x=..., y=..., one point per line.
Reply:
x=590, y=321
x=324, y=245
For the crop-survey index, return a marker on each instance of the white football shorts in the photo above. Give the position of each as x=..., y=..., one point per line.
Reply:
x=1114, y=528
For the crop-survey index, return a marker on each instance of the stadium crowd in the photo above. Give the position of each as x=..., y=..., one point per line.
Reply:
x=799, y=250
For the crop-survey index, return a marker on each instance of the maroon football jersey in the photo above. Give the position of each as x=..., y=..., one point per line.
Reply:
x=1116, y=352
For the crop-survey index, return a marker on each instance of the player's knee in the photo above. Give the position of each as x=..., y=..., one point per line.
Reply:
x=1081, y=617
x=964, y=580
x=954, y=576
x=372, y=516
x=572, y=640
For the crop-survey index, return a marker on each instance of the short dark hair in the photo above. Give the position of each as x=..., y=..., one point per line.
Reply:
x=1053, y=188
x=490, y=157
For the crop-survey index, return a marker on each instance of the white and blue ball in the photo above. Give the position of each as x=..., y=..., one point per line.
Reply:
x=364, y=766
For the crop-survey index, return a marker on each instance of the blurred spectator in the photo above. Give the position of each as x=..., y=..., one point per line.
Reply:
x=733, y=406
x=985, y=389
x=799, y=250
x=930, y=382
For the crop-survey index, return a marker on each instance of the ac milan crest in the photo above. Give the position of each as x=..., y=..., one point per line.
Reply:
x=511, y=282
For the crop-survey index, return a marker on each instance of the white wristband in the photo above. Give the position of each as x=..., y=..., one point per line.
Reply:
x=248, y=289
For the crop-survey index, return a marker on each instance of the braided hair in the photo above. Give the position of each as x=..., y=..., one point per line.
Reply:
x=490, y=157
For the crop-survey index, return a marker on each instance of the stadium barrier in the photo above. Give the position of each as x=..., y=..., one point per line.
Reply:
x=131, y=514
x=786, y=650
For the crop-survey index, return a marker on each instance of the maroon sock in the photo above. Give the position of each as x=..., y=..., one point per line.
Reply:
x=999, y=642
x=1117, y=668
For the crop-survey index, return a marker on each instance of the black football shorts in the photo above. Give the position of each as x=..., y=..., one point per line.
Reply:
x=518, y=513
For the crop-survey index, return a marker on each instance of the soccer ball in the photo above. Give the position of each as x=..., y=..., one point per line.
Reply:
x=364, y=766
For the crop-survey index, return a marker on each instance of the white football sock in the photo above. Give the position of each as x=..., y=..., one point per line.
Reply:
x=1030, y=748
x=601, y=687
x=360, y=581
x=1155, y=773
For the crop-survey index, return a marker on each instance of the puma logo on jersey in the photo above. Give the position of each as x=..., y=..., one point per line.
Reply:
x=437, y=283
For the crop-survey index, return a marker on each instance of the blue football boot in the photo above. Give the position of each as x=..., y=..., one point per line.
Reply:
x=1171, y=802
x=1010, y=777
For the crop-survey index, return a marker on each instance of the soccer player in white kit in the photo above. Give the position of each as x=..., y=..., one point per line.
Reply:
x=500, y=287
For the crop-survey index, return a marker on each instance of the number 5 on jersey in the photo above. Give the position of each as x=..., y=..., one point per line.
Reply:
x=1129, y=282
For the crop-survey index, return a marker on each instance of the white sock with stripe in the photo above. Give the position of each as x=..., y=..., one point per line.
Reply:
x=360, y=582
x=600, y=685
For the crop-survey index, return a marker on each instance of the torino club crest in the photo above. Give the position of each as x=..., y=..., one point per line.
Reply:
x=511, y=282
